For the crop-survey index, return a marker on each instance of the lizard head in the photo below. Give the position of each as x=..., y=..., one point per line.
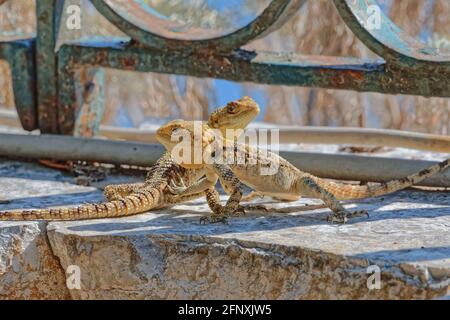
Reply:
x=235, y=115
x=186, y=141
x=178, y=136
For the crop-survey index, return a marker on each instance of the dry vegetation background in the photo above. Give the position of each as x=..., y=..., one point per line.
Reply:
x=316, y=29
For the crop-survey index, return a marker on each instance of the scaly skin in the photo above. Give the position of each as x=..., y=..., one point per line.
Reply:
x=286, y=182
x=162, y=185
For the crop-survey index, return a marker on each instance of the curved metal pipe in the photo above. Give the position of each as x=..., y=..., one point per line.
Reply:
x=321, y=135
x=342, y=167
x=315, y=135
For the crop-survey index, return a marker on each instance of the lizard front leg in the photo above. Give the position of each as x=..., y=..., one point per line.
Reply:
x=213, y=200
x=252, y=196
x=256, y=194
x=200, y=185
x=175, y=199
x=232, y=207
x=309, y=187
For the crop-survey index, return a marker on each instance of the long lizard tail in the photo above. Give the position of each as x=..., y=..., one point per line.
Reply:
x=350, y=192
x=134, y=203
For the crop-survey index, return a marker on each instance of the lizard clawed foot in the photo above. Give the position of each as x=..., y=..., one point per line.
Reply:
x=214, y=219
x=240, y=211
x=177, y=189
x=342, y=217
x=221, y=216
x=256, y=207
x=360, y=213
x=251, y=196
x=338, y=217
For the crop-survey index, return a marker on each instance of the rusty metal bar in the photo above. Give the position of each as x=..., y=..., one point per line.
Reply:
x=342, y=167
x=20, y=56
x=46, y=62
x=92, y=105
x=266, y=68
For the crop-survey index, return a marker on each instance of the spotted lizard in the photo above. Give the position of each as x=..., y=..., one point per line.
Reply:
x=158, y=189
x=286, y=181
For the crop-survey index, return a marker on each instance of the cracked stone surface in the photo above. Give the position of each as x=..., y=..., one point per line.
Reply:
x=168, y=254
x=28, y=268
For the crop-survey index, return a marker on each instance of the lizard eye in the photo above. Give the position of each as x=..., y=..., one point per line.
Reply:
x=214, y=121
x=231, y=108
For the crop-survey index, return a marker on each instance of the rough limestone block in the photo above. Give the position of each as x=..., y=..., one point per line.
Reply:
x=168, y=254
x=28, y=268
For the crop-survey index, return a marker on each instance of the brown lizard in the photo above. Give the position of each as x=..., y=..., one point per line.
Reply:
x=162, y=181
x=284, y=182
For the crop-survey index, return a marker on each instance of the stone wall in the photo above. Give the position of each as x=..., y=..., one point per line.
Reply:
x=289, y=254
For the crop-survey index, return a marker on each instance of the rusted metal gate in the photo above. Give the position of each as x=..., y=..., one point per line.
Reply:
x=44, y=81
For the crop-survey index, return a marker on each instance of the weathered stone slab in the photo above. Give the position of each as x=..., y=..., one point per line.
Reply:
x=280, y=256
x=28, y=268
x=168, y=254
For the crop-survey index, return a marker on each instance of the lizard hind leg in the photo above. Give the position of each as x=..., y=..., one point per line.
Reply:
x=340, y=215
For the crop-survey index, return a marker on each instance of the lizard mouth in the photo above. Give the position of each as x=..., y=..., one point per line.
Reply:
x=165, y=134
x=165, y=141
x=161, y=136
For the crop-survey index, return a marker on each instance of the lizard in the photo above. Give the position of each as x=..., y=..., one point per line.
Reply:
x=287, y=181
x=162, y=180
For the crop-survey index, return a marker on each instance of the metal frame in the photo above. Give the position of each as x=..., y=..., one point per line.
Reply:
x=20, y=57
x=409, y=67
